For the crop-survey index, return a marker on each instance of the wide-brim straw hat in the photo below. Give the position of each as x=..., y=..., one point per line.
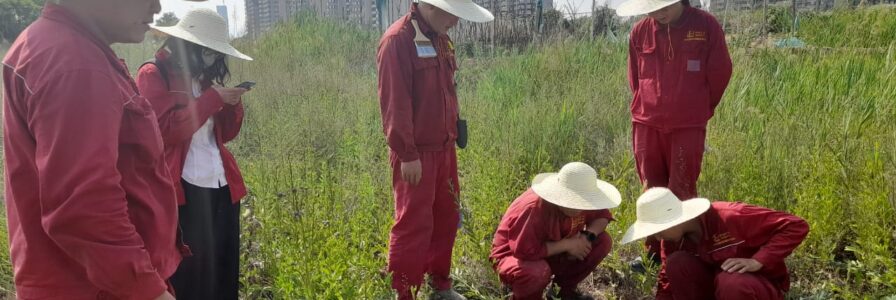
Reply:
x=206, y=28
x=659, y=209
x=642, y=7
x=464, y=9
x=576, y=186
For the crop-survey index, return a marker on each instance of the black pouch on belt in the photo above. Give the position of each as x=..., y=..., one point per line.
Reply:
x=461, y=133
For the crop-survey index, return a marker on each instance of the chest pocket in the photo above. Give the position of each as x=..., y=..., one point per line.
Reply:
x=693, y=56
x=140, y=132
x=720, y=254
x=647, y=62
x=426, y=70
x=425, y=65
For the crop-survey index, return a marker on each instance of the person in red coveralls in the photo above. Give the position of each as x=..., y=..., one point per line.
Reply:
x=679, y=68
x=197, y=116
x=89, y=202
x=418, y=102
x=718, y=250
x=555, y=228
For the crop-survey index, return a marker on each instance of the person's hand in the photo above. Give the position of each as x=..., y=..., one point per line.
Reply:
x=741, y=265
x=578, y=247
x=165, y=296
x=411, y=172
x=230, y=96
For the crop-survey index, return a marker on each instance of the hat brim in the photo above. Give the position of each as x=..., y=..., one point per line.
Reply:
x=642, y=7
x=465, y=10
x=690, y=209
x=546, y=186
x=218, y=46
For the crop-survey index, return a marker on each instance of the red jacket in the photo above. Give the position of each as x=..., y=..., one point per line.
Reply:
x=530, y=222
x=89, y=202
x=678, y=86
x=418, y=100
x=181, y=115
x=737, y=230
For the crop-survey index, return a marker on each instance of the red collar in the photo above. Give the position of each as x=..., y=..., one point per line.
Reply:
x=424, y=26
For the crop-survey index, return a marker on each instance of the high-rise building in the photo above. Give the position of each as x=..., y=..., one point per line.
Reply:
x=262, y=15
x=222, y=10
x=516, y=8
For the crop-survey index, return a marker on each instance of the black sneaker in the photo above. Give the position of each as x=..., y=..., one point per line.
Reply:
x=637, y=265
x=555, y=293
x=577, y=296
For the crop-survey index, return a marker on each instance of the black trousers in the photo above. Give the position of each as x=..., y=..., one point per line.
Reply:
x=210, y=224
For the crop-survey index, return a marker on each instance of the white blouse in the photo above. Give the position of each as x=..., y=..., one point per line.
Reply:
x=204, y=166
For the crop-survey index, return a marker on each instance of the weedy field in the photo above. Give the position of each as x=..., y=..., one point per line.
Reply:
x=811, y=131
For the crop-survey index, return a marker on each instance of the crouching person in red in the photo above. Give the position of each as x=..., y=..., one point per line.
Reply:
x=556, y=228
x=718, y=250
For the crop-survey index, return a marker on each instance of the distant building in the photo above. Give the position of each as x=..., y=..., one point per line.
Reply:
x=222, y=10
x=516, y=8
x=262, y=15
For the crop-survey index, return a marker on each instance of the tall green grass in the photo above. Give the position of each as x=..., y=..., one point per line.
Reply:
x=811, y=132
x=873, y=27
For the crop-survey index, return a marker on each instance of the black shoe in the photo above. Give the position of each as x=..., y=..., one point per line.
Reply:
x=637, y=265
x=556, y=293
x=577, y=296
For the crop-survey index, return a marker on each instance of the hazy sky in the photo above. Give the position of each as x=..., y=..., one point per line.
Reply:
x=236, y=9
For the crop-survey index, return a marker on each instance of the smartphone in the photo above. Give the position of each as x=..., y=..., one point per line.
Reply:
x=246, y=85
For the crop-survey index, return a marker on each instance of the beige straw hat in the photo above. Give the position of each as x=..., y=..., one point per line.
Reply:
x=659, y=209
x=206, y=28
x=464, y=9
x=642, y=7
x=576, y=186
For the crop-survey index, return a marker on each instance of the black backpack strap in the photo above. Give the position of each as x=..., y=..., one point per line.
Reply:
x=162, y=71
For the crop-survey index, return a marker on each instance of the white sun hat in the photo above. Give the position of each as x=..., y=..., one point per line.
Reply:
x=464, y=9
x=576, y=186
x=206, y=28
x=642, y=7
x=659, y=209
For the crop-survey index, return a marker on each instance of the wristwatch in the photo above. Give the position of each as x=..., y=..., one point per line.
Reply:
x=589, y=235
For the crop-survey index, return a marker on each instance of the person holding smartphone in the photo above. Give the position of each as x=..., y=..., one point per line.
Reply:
x=197, y=115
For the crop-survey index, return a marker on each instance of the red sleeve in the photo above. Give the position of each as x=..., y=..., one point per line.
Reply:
x=395, y=90
x=775, y=233
x=84, y=210
x=633, y=62
x=525, y=238
x=718, y=64
x=179, y=115
x=663, y=288
x=230, y=120
x=601, y=214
